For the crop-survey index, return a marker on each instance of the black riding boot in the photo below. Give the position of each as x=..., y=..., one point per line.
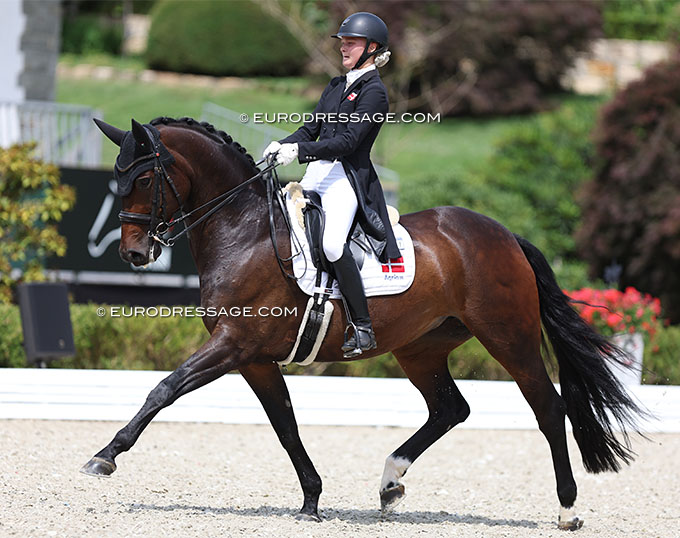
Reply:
x=349, y=280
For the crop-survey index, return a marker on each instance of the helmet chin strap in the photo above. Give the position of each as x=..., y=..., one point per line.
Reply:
x=366, y=55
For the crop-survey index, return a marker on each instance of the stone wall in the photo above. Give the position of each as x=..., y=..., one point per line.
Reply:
x=40, y=44
x=136, y=31
x=612, y=64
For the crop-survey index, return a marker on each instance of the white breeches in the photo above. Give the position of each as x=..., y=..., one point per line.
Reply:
x=338, y=201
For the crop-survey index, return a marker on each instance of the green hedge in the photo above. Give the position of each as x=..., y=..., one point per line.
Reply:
x=662, y=358
x=87, y=34
x=220, y=38
x=654, y=20
x=111, y=343
x=164, y=343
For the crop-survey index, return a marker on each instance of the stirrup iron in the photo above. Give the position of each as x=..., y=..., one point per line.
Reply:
x=349, y=352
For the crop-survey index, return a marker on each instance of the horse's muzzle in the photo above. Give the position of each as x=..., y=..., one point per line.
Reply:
x=134, y=256
x=139, y=257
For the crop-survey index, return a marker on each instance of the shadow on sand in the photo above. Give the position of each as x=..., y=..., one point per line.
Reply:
x=362, y=517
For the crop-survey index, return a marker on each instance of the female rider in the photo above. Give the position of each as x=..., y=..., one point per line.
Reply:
x=337, y=145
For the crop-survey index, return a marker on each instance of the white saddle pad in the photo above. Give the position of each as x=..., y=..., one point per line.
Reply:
x=390, y=278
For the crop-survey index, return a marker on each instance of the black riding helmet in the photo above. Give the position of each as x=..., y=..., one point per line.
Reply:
x=363, y=24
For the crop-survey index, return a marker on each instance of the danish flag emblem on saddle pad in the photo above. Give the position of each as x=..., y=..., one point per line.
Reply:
x=394, y=265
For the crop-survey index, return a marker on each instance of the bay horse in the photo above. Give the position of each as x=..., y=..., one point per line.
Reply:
x=473, y=278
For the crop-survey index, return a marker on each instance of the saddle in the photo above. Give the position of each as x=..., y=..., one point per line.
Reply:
x=314, y=227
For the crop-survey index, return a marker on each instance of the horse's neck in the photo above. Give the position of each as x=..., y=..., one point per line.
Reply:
x=228, y=239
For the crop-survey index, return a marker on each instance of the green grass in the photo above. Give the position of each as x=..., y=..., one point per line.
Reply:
x=121, y=100
x=133, y=63
x=453, y=147
x=409, y=149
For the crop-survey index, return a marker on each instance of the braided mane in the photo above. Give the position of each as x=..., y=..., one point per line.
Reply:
x=207, y=129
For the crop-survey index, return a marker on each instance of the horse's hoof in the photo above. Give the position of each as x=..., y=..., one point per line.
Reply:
x=98, y=467
x=391, y=497
x=572, y=524
x=308, y=517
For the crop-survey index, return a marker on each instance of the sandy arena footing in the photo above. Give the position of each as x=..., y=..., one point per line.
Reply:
x=202, y=480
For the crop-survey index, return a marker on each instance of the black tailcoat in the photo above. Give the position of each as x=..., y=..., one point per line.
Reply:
x=351, y=141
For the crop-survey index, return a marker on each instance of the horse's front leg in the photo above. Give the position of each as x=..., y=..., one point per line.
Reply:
x=268, y=384
x=215, y=358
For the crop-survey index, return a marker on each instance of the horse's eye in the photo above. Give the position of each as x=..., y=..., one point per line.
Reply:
x=143, y=182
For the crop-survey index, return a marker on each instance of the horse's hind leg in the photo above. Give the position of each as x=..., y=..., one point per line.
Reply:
x=516, y=343
x=214, y=359
x=270, y=387
x=425, y=363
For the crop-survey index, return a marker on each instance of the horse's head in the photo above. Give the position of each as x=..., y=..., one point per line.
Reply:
x=152, y=184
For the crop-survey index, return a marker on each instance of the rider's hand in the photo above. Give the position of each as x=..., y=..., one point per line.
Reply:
x=287, y=154
x=271, y=148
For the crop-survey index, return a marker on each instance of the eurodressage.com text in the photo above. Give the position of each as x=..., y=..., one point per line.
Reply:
x=195, y=311
x=342, y=117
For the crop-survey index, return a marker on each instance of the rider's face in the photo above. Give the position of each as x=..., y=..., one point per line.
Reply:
x=351, y=49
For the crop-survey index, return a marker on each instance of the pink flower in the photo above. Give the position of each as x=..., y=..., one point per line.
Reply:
x=612, y=295
x=587, y=313
x=611, y=311
x=613, y=320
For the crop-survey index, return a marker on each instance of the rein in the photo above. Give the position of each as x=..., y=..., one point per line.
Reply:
x=159, y=227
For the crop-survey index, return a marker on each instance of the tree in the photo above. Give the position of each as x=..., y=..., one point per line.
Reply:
x=479, y=57
x=310, y=25
x=631, y=209
x=465, y=57
x=32, y=201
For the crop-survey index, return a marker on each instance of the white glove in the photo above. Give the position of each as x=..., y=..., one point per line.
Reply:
x=287, y=154
x=271, y=148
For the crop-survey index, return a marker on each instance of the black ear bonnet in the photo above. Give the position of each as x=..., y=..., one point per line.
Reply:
x=137, y=155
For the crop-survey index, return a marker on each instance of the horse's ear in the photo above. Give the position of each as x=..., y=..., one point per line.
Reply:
x=114, y=134
x=141, y=136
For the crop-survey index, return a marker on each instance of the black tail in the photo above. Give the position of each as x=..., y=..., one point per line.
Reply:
x=590, y=390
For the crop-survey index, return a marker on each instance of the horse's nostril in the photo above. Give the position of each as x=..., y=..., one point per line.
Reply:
x=134, y=256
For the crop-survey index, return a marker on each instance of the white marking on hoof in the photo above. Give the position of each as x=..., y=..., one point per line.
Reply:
x=394, y=470
x=568, y=520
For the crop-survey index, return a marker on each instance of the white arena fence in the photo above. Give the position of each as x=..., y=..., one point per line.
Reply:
x=65, y=134
x=61, y=394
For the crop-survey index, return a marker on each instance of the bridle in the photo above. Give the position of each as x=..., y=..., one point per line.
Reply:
x=159, y=226
x=160, y=176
